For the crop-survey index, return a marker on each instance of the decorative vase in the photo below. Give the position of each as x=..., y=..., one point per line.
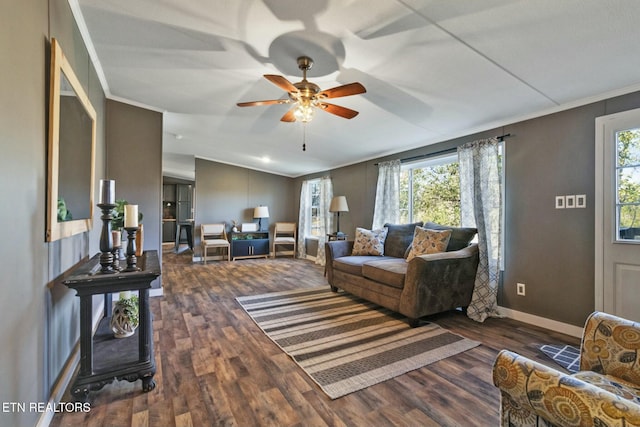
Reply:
x=140, y=241
x=124, y=319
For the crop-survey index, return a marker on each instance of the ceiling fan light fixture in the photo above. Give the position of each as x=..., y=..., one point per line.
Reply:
x=304, y=112
x=306, y=96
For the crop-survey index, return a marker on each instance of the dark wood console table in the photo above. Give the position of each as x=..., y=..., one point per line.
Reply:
x=104, y=358
x=249, y=244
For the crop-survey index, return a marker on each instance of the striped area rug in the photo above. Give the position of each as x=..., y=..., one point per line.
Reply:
x=344, y=343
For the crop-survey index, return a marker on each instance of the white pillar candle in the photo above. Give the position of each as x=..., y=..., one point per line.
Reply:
x=130, y=216
x=117, y=238
x=107, y=192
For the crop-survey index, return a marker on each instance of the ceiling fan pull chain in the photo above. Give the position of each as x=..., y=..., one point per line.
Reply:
x=304, y=136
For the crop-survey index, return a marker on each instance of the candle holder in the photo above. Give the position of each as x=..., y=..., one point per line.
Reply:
x=131, y=249
x=106, y=239
x=116, y=258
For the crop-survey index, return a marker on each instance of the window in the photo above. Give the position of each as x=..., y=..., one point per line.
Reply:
x=430, y=190
x=314, y=207
x=628, y=184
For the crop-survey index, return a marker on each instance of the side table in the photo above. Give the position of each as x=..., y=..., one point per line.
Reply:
x=104, y=358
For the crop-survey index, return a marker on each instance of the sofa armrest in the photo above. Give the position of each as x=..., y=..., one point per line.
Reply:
x=338, y=248
x=610, y=346
x=439, y=282
x=530, y=390
x=335, y=249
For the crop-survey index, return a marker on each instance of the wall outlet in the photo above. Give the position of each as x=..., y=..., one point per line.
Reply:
x=520, y=289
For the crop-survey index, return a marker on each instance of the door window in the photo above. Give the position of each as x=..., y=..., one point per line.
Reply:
x=628, y=185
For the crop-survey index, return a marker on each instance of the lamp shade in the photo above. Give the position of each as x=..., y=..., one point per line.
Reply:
x=261, y=212
x=339, y=204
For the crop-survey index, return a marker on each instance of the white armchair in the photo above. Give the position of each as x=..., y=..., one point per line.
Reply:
x=284, y=234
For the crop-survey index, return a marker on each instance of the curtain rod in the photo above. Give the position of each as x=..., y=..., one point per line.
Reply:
x=447, y=151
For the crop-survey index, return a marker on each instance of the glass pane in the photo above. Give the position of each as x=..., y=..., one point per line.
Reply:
x=629, y=222
x=629, y=185
x=628, y=147
x=404, y=197
x=436, y=194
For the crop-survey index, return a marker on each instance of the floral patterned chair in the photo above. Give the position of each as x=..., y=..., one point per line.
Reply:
x=605, y=392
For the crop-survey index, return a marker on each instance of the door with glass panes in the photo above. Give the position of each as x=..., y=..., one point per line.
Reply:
x=618, y=214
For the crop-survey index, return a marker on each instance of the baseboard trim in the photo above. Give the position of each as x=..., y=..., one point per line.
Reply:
x=532, y=319
x=60, y=386
x=156, y=292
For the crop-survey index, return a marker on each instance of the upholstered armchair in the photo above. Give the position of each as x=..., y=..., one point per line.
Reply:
x=605, y=392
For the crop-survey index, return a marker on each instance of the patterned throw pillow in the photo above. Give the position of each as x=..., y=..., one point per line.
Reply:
x=369, y=242
x=427, y=241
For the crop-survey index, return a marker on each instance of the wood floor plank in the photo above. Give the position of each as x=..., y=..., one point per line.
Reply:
x=140, y=419
x=215, y=367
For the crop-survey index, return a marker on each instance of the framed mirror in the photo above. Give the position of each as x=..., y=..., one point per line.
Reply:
x=71, y=155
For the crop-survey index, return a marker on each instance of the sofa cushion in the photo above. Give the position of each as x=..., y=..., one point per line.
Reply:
x=399, y=238
x=369, y=242
x=390, y=271
x=460, y=236
x=353, y=264
x=426, y=241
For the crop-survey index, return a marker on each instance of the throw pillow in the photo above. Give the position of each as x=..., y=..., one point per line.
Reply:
x=427, y=241
x=460, y=236
x=399, y=238
x=369, y=242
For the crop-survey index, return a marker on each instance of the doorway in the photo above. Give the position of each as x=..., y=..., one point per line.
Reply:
x=617, y=214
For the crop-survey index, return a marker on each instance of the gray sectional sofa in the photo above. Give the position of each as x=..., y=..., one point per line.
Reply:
x=428, y=284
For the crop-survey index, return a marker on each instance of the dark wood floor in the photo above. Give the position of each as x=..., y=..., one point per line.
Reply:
x=216, y=368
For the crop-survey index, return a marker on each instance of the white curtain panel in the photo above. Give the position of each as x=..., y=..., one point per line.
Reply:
x=481, y=206
x=304, y=219
x=325, y=219
x=387, y=206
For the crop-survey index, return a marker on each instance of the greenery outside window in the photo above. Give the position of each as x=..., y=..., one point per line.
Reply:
x=628, y=184
x=430, y=190
x=314, y=208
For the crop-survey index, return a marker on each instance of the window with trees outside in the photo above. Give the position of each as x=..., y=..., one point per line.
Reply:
x=628, y=184
x=430, y=190
x=314, y=206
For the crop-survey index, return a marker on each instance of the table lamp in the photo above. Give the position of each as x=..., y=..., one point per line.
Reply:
x=260, y=212
x=338, y=204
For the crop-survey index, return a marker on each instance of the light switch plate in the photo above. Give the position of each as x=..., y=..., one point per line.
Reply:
x=570, y=201
x=559, y=202
x=581, y=200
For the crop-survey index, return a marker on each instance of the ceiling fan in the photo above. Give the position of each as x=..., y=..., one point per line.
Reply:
x=307, y=96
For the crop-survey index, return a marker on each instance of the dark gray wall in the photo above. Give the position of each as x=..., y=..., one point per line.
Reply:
x=134, y=160
x=39, y=327
x=550, y=250
x=225, y=193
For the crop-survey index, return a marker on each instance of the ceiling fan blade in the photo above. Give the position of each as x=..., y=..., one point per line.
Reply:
x=268, y=102
x=344, y=90
x=281, y=82
x=347, y=113
x=288, y=116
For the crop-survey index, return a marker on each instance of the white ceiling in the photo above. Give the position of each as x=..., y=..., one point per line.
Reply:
x=433, y=70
